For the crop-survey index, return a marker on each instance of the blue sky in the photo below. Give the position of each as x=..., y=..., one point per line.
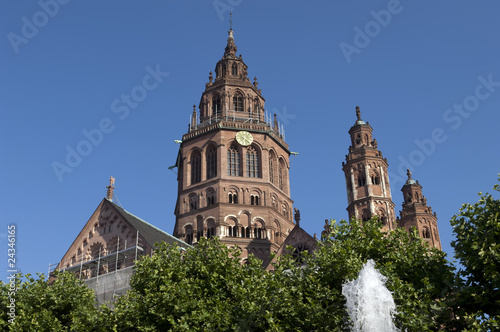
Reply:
x=425, y=74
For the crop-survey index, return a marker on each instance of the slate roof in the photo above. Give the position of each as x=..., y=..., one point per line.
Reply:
x=148, y=232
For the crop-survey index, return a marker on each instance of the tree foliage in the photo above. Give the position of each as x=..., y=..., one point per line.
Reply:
x=477, y=246
x=65, y=304
x=207, y=287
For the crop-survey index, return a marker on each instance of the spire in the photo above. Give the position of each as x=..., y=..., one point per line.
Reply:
x=358, y=116
x=194, y=118
x=109, y=194
x=410, y=180
x=231, y=46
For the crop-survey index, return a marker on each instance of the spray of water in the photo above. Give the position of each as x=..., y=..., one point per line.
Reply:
x=369, y=303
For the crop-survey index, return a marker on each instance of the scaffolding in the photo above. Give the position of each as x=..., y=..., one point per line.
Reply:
x=232, y=115
x=107, y=261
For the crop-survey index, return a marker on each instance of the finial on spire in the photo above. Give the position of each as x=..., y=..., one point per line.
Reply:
x=408, y=172
x=231, y=46
x=358, y=113
x=109, y=194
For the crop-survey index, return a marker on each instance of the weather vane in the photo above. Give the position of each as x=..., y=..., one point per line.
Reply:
x=230, y=20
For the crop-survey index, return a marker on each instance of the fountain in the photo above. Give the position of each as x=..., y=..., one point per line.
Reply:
x=369, y=303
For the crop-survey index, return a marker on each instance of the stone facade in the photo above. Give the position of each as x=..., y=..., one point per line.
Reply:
x=416, y=213
x=235, y=188
x=367, y=180
x=369, y=191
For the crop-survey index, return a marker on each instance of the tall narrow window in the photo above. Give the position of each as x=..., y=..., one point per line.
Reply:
x=252, y=163
x=238, y=103
x=281, y=175
x=233, y=161
x=234, y=70
x=211, y=162
x=361, y=180
x=216, y=105
x=271, y=167
x=195, y=167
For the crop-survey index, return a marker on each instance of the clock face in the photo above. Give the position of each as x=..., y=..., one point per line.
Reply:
x=244, y=138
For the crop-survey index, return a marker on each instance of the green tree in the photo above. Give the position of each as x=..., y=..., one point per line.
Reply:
x=65, y=304
x=477, y=247
x=420, y=278
x=207, y=287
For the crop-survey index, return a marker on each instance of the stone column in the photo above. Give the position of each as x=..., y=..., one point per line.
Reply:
x=368, y=180
x=354, y=189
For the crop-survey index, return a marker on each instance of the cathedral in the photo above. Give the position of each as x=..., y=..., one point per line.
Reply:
x=233, y=184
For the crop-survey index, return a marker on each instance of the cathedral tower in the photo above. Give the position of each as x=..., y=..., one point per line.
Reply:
x=233, y=166
x=416, y=213
x=367, y=181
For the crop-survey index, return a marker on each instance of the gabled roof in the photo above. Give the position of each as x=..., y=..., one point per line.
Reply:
x=148, y=232
x=297, y=237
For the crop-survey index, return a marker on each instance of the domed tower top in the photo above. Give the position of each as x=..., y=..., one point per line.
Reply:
x=367, y=180
x=416, y=213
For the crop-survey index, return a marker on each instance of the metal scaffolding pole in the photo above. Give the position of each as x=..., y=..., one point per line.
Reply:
x=136, y=244
x=81, y=264
x=117, y=249
x=98, y=266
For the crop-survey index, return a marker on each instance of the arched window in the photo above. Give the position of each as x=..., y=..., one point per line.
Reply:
x=273, y=202
x=216, y=104
x=195, y=167
x=189, y=234
x=271, y=166
x=361, y=180
x=233, y=161
x=426, y=234
x=234, y=70
x=252, y=162
x=211, y=162
x=193, y=202
x=281, y=174
x=238, y=103
x=366, y=215
x=358, y=139
x=233, y=198
x=210, y=194
x=254, y=200
x=284, y=210
x=210, y=228
x=223, y=70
